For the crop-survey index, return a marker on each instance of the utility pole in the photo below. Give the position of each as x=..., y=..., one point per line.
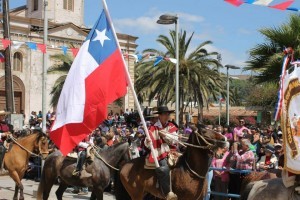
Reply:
x=9, y=93
x=44, y=84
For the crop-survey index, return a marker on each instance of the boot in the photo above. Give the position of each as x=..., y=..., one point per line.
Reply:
x=163, y=176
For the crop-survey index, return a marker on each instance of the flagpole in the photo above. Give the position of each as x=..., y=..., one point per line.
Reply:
x=131, y=84
x=44, y=86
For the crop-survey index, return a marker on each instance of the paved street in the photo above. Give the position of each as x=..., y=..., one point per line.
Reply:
x=7, y=186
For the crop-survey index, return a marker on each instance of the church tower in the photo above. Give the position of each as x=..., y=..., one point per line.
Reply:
x=59, y=11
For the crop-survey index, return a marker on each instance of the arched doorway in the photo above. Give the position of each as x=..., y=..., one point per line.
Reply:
x=19, y=93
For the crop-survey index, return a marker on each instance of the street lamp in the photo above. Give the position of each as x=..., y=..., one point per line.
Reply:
x=227, y=99
x=173, y=19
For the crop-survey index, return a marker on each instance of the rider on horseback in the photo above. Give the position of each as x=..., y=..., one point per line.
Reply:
x=162, y=134
x=82, y=153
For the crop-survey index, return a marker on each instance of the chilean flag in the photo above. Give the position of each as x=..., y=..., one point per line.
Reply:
x=97, y=78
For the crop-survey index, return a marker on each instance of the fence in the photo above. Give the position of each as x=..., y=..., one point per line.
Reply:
x=231, y=170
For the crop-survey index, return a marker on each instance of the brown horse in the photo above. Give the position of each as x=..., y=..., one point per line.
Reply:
x=271, y=189
x=17, y=157
x=250, y=179
x=57, y=165
x=188, y=176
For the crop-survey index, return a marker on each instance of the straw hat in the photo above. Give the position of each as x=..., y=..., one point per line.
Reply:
x=3, y=112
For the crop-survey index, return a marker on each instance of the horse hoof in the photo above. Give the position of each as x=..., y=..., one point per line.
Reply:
x=21, y=198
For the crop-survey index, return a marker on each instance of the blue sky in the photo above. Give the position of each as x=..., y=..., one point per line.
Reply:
x=233, y=30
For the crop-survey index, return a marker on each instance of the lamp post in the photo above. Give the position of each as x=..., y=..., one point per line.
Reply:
x=173, y=19
x=227, y=99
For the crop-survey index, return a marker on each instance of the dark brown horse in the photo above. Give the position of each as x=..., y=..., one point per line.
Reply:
x=57, y=165
x=17, y=157
x=188, y=176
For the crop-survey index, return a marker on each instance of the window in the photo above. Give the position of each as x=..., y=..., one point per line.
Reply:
x=35, y=5
x=69, y=5
x=18, y=62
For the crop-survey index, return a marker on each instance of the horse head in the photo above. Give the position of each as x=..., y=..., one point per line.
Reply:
x=206, y=138
x=42, y=143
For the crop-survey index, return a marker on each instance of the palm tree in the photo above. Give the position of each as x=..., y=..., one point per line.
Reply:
x=62, y=66
x=266, y=58
x=198, y=71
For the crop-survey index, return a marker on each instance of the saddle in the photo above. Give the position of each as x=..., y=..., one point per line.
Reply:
x=172, y=160
x=90, y=154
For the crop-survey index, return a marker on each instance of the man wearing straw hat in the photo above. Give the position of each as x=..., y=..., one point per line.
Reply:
x=4, y=131
x=163, y=135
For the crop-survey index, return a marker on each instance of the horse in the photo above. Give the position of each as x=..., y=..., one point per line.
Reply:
x=257, y=176
x=188, y=176
x=56, y=165
x=17, y=157
x=271, y=189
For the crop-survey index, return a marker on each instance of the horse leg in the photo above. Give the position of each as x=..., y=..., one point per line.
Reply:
x=61, y=189
x=21, y=187
x=93, y=196
x=97, y=192
x=15, y=176
x=16, y=192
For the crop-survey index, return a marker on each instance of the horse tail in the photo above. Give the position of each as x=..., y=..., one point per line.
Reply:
x=120, y=191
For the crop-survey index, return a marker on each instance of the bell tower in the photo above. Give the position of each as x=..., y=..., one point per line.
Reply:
x=59, y=11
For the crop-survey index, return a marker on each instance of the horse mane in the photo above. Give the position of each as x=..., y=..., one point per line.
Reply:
x=39, y=132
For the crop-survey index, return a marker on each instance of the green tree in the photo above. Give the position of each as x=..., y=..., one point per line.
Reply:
x=198, y=74
x=264, y=95
x=266, y=58
x=61, y=66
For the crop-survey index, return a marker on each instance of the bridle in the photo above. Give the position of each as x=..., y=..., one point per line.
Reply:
x=14, y=140
x=210, y=144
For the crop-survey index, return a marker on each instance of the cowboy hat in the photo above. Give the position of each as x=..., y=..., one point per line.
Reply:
x=3, y=112
x=163, y=109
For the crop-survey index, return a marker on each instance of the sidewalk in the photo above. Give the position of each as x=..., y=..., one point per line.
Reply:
x=7, y=187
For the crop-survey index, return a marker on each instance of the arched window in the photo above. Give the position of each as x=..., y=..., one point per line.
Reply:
x=18, y=62
x=69, y=5
x=35, y=5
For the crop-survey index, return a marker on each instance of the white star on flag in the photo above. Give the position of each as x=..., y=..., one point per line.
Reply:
x=101, y=36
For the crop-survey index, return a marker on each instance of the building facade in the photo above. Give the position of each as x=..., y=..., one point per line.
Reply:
x=66, y=28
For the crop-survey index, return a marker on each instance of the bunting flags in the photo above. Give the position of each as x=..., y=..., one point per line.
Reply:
x=5, y=43
x=146, y=57
x=281, y=6
x=2, y=58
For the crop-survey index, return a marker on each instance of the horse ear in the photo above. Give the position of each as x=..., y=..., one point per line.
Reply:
x=200, y=126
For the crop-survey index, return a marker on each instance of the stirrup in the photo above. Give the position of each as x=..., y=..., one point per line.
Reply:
x=171, y=196
x=76, y=173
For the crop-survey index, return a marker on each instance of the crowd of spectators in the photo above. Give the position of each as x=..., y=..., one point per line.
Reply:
x=249, y=148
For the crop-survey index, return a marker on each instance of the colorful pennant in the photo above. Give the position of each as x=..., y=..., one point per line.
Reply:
x=281, y=6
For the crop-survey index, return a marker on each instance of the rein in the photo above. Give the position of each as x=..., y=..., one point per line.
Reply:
x=22, y=147
x=98, y=156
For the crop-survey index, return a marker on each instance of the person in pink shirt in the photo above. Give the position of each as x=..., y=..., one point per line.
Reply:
x=228, y=134
x=238, y=132
x=221, y=178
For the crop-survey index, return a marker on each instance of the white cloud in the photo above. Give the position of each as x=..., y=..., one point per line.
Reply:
x=244, y=31
x=147, y=24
